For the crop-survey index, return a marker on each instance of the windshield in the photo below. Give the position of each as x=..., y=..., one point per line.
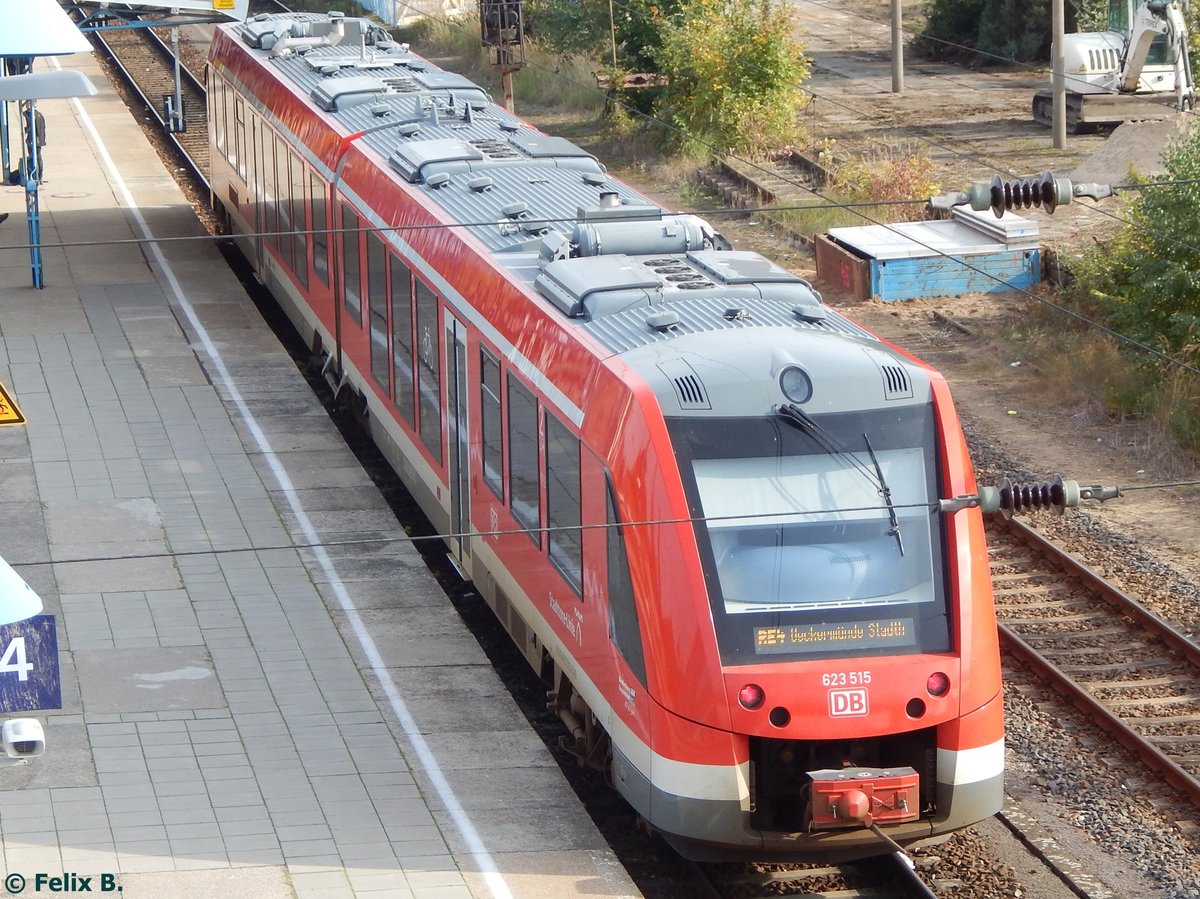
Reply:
x=818, y=533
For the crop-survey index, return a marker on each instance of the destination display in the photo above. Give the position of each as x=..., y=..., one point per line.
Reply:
x=882, y=633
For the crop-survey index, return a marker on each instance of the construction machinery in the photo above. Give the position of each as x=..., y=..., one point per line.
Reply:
x=1137, y=69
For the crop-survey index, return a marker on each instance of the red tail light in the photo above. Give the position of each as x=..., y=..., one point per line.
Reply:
x=751, y=696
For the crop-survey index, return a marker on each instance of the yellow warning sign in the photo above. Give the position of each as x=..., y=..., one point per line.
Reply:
x=9, y=413
x=222, y=4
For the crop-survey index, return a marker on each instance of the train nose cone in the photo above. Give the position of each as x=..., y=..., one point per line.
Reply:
x=855, y=805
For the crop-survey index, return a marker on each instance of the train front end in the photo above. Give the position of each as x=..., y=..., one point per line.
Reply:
x=851, y=620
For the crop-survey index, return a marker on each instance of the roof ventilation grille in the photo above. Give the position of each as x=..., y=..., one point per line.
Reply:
x=689, y=389
x=896, y=385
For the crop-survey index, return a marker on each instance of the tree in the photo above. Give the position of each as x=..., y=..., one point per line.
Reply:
x=988, y=31
x=1147, y=281
x=735, y=71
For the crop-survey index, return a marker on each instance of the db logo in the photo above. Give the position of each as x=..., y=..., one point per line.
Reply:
x=848, y=703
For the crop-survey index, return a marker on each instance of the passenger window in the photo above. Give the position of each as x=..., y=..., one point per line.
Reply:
x=270, y=189
x=624, y=627
x=402, y=337
x=563, y=516
x=283, y=188
x=320, y=223
x=299, y=223
x=429, y=383
x=493, y=428
x=220, y=97
x=523, y=458
x=377, y=310
x=239, y=137
x=350, y=250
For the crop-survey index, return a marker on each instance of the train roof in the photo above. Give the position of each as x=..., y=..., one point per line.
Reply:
x=624, y=269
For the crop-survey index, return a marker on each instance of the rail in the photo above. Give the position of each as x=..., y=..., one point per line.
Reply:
x=153, y=78
x=1105, y=713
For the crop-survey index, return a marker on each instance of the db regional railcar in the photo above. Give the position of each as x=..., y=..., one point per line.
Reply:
x=703, y=503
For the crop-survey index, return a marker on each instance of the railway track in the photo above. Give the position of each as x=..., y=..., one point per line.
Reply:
x=1144, y=689
x=147, y=64
x=1133, y=673
x=883, y=877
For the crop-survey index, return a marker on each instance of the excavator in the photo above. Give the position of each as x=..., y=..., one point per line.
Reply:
x=1137, y=69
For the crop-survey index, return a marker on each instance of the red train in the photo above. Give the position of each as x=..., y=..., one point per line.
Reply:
x=703, y=503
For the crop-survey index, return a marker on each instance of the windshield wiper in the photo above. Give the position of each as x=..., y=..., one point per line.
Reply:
x=801, y=420
x=887, y=496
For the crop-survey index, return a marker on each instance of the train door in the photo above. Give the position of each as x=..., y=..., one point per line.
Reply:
x=459, y=443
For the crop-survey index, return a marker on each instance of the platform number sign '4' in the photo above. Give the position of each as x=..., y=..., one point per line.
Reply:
x=29, y=673
x=15, y=660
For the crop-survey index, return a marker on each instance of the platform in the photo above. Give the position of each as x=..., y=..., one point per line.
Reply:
x=242, y=716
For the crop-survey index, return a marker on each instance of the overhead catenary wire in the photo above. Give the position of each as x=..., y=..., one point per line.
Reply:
x=1116, y=335
x=1122, y=338
x=854, y=209
x=522, y=531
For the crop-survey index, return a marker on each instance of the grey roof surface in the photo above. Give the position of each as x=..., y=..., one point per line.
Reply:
x=543, y=206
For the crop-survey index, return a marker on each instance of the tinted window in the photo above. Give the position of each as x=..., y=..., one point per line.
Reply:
x=377, y=310
x=320, y=225
x=819, y=536
x=283, y=192
x=299, y=223
x=493, y=428
x=562, y=501
x=239, y=136
x=523, y=458
x=429, y=422
x=217, y=88
x=624, y=627
x=350, y=248
x=402, y=338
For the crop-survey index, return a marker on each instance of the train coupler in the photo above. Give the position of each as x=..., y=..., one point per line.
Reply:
x=860, y=797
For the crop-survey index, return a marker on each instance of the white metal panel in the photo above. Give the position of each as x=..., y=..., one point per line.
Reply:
x=38, y=28
x=966, y=235
x=916, y=240
x=1009, y=227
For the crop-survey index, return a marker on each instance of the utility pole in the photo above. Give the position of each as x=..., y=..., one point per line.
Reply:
x=898, y=49
x=1058, y=67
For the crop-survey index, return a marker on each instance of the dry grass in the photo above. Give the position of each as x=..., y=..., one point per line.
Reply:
x=1154, y=415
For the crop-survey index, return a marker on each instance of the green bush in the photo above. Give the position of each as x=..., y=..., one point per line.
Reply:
x=595, y=28
x=1147, y=281
x=986, y=32
x=735, y=70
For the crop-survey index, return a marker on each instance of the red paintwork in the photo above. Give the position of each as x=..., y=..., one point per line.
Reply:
x=688, y=709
